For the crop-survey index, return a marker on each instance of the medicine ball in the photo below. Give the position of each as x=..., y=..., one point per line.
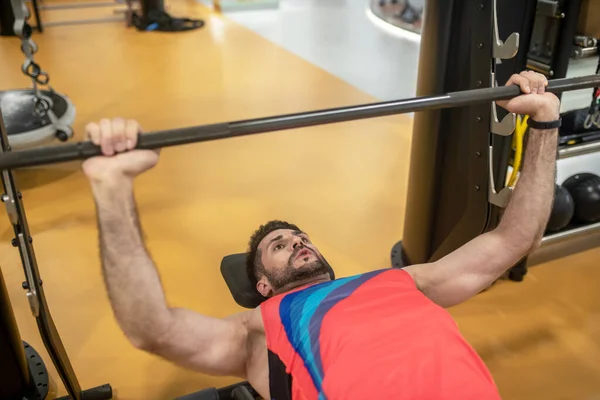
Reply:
x=562, y=210
x=585, y=190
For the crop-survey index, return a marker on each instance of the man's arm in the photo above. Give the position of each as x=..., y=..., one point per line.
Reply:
x=476, y=265
x=210, y=345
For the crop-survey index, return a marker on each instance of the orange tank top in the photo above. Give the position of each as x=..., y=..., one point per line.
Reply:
x=370, y=336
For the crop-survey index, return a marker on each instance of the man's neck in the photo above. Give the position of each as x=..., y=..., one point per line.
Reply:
x=306, y=282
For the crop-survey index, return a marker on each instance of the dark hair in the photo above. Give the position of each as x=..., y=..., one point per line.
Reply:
x=254, y=266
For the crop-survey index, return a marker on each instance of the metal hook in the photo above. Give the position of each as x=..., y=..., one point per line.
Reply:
x=501, y=198
x=504, y=128
x=507, y=126
x=587, y=124
x=507, y=49
x=596, y=119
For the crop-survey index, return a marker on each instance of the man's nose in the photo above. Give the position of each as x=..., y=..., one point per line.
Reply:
x=297, y=242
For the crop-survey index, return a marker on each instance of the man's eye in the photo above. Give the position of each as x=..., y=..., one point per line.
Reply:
x=278, y=247
x=306, y=240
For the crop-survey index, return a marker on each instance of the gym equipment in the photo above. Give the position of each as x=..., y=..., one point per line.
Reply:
x=180, y=136
x=585, y=190
x=17, y=380
x=593, y=117
x=399, y=13
x=579, y=138
x=35, y=116
x=243, y=291
x=154, y=18
x=552, y=37
x=27, y=127
x=458, y=158
x=585, y=41
x=239, y=391
x=562, y=210
x=517, y=144
x=126, y=12
x=410, y=14
x=575, y=121
x=580, y=52
x=157, y=20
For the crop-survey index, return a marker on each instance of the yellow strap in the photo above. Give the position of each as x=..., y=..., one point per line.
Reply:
x=517, y=143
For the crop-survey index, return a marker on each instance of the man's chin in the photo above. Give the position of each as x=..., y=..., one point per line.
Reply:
x=303, y=273
x=309, y=270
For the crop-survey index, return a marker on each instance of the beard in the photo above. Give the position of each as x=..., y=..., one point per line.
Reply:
x=289, y=274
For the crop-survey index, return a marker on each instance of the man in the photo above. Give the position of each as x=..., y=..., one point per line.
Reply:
x=380, y=335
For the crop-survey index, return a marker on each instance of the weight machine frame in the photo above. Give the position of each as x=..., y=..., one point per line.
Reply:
x=17, y=380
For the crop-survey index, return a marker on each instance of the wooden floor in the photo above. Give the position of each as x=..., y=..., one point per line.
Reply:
x=345, y=184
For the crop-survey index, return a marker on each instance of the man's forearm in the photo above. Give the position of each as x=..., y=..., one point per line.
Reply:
x=526, y=216
x=132, y=281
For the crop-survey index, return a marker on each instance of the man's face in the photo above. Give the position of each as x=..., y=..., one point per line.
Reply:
x=288, y=257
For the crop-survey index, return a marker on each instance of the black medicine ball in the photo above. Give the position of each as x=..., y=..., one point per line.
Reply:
x=562, y=210
x=585, y=190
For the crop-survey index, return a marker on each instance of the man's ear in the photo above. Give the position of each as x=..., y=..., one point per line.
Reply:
x=264, y=287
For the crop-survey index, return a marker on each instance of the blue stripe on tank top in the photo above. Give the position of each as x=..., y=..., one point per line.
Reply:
x=302, y=315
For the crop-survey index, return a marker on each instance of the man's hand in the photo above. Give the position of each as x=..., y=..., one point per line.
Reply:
x=540, y=105
x=118, y=138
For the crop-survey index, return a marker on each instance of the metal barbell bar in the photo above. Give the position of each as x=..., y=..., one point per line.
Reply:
x=180, y=136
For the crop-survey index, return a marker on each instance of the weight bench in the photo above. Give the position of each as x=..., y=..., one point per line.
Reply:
x=233, y=269
x=239, y=391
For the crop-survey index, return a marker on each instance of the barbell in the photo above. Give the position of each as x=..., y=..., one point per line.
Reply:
x=202, y=133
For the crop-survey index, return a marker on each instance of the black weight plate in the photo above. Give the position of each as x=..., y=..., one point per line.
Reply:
x=39, y=374
x=19, y=111
x=397, y=256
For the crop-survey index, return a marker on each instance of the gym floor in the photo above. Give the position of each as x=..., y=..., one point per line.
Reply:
x=345, y=184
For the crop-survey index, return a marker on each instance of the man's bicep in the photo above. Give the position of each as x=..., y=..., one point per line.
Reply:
x=466, y=271
x=209, y=345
